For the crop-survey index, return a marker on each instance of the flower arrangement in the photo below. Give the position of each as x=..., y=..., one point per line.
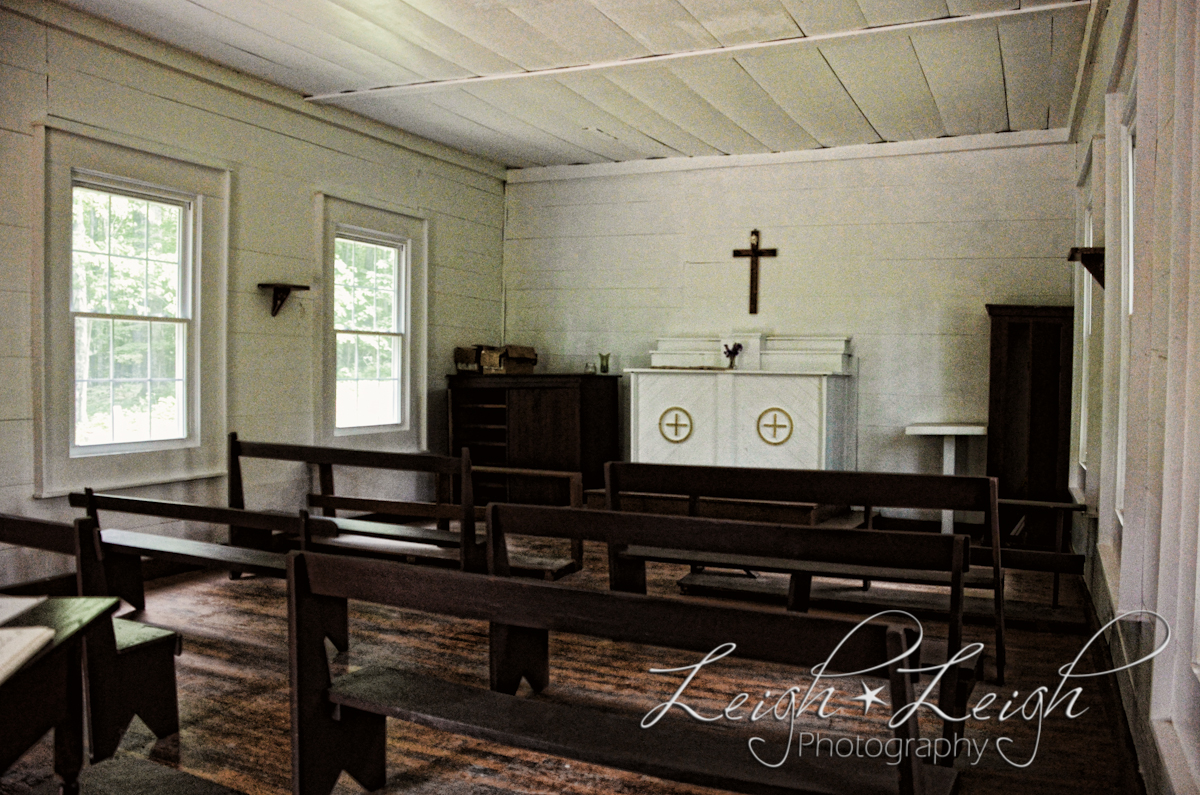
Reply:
x=732, y=353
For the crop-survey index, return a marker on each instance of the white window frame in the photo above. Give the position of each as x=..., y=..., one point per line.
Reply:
x=59, y=465
x=378, y=223
x=1125, y=279
x=191, y=204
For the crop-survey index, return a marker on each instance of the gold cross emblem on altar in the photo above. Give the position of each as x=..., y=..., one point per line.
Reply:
x=774, y=426
x=675, y=424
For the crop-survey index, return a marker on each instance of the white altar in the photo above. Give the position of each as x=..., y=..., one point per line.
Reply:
x=787, y=403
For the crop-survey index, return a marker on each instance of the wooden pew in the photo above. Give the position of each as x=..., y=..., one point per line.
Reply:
x=124, y=549
x=633, y=539
x=440, y=532
x=131, y=668
x=871, y=490
x=339, y=724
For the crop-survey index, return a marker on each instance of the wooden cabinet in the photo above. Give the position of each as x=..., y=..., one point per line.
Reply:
x=563, y=422
x=1029, y=409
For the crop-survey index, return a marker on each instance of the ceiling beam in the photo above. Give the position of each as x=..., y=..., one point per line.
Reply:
x=902, y=28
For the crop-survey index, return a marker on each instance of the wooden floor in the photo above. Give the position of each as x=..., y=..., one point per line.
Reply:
x=233, y=692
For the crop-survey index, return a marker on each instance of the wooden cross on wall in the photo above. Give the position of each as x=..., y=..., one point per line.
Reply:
x=754, y=252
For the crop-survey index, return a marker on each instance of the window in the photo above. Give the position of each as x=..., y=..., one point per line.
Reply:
x=369, y=324
x=1128, y=207
x=372, y=354
x=132, y=311
x=129, y=260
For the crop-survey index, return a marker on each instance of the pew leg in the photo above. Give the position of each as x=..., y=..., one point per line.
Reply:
x=999, y=606
x=353, y=741
x=799, y=592
x=124, y=574
x=626, y=574
x=518, y=652
x=866, y=585
x=338, y=627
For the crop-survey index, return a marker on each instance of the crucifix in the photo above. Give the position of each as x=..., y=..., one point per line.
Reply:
x=754, y=252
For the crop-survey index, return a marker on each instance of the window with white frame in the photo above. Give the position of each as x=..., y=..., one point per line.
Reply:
x=132, y=301
x=372, y=355
x=132, y=315
x=368, y=319
x=1128, y=210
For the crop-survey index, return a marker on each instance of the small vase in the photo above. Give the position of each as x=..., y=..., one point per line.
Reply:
x=604, y=361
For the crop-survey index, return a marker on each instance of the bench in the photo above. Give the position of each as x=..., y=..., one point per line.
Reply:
x=633, y=539
x=131, y=667
x=439, y=532
x=871, y=490
x=339, y=723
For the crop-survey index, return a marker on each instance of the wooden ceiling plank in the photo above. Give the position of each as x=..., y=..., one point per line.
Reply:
x=966, y=77
x=464, y=104
x=500, y=30
x=427, y=33
x=608, y=96
x=659, y=88
x=885, y=79
x=962, y=8
x=661, y=26
x=804, y=86
x=895, y=12
x=1066, y=40
x=280, y=23
x=554, y=109
x=742, y=22
x=1025, y=44
x=382, y=41
x=725, y=85
x=421, y=117
x=580, y=27
x=206, y=33
x=817, y=17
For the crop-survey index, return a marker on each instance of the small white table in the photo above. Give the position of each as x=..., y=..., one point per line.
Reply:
x=952, y=434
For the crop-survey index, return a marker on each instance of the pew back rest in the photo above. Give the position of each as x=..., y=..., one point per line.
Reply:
x=443, y=468
x=93, y=503
x=881, y=548
x=77, y=540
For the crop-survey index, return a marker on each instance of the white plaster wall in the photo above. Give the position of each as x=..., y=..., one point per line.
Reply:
x=900, y=252
x=63, y=65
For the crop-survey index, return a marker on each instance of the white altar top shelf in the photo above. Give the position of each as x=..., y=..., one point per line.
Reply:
x=946, y=429
x=815, y=355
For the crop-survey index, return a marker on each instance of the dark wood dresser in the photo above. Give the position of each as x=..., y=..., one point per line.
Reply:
x=563, y=422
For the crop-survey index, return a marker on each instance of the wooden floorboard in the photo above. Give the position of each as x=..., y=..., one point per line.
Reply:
x=233, y=697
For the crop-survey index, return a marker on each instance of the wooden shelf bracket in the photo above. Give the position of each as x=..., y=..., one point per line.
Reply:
x=1092, y=259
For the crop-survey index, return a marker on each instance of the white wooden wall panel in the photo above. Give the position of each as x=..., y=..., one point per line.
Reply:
x=885, y=78
x=901, y=253
x=802, y=84
x=966, y=78
x=1026, y=47
x=829, y=16
x=725, y=85
x=892, y=12
x=662, y=90
x=660, y=25
x=738, y=23
x=24, y=95
x=421, y=116
x=580, y=28
x=621, y=104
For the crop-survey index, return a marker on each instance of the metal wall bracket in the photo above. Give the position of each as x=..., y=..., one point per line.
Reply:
x=280, y=293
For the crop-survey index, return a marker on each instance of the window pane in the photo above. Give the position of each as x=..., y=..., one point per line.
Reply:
x=166, y=350
x=162, y=289
x=347, y=404
x=164, y=232
x=93, y=349
x=127, y=226
x=131, y=411
x=387, y=357
x=368, y=356
x=127, y=286
x=89, y=217
x=347, y=358
x=343, y=306
x=131, y=349
x=166, y=409
x=93, y=412
x=89, y=282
